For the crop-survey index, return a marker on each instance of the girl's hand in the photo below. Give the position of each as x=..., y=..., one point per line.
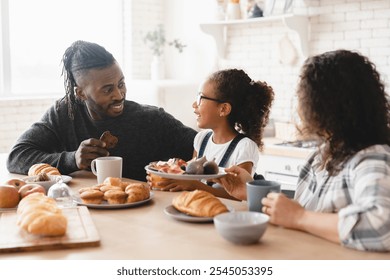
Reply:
x=171, y=184
x=178, y=185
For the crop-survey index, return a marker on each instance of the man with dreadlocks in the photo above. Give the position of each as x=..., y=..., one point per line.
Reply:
x=67, y=136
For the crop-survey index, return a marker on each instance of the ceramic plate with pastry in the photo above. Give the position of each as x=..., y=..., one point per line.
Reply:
x=114, y=193
x=196, y=206
x=195, y=169
x=106, y=205
x=41, y=172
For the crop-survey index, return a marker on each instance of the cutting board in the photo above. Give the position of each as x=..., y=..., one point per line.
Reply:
x=81, y=232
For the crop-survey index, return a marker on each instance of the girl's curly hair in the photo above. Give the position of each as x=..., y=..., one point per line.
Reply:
x=343, y=101
x=251, y=101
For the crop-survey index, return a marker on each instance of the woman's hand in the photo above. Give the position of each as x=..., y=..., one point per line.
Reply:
x=290, y=214
x=282, y=210
x=89, y=150
x=235, y=181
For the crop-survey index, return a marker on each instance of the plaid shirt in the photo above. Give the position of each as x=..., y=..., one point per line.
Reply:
x=360, y=194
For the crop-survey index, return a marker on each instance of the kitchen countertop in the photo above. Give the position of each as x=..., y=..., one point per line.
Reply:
x=271, y=149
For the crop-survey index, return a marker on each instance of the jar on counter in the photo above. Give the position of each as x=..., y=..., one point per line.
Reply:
x=233, y=10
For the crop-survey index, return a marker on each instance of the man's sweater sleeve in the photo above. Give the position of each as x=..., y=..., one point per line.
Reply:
x=41, y=143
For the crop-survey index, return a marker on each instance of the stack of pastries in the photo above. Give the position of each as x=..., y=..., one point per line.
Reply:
x=39, y=214
x=114, y=191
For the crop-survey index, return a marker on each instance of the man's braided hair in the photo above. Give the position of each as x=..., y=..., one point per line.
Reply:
x=80, y=57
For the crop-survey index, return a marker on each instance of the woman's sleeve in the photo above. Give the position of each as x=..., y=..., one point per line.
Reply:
x=365, y=223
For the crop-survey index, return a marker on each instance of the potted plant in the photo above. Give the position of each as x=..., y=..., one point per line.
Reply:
x=156, y=41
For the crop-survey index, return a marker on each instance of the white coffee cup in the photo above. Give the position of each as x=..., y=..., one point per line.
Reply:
x=258, y=189
x=104, y=167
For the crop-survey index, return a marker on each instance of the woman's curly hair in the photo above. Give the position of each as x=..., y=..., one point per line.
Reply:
x=81, y=56
x=343, y=101
x=250, y=101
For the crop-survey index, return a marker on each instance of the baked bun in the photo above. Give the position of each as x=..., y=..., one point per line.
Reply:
x=39, y=214
x=92, y=196
x=96, y=187
x=115, y=196
x=105, y=188
x=137, y=192
x=124, y=185
x=112, y=181
x=199, y=203
x=37, y=168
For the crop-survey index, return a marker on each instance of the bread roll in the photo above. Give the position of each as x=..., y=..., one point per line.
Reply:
x=137, y=192
x=48, y=224
x=105, y=188
x=95, y=187
x=113, y=181
x=39, y=214
x=92, y=196
x=115, y=196
x=199, y=203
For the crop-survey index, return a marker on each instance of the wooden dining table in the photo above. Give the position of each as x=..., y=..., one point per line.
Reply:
x=146, y=232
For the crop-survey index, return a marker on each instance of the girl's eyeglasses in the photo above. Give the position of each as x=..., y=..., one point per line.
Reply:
x=199, y=98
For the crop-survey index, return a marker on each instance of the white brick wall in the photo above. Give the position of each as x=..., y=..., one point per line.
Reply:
x=140, y=17
x=361, y=25
x=18, y=115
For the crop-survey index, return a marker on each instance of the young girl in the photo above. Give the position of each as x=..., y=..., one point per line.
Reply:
x=230, y=107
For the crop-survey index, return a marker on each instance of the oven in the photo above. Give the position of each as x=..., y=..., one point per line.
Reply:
x=282, y=162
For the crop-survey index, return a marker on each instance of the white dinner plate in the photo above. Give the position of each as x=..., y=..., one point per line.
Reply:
x=174, y=213
x=185, y=176
x=105, y=205
x=65, y=178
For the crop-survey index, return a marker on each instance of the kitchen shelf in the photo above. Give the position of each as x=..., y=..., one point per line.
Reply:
x=218, y=29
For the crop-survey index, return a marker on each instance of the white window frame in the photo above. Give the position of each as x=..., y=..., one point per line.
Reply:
x=5, y=66
x=5, y=53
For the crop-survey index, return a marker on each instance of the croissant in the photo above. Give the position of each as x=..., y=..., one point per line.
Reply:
x=137, y=192
x=199, y=203
x=39, y=214
x=37, y=168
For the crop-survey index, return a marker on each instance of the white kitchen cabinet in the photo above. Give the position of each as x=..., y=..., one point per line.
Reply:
x=297, y=23
x=282, y=168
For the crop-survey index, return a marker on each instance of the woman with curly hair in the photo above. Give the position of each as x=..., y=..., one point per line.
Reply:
x=343, y=191
x=232, y=111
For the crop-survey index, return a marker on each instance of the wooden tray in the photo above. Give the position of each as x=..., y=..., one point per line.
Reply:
x=81, y=232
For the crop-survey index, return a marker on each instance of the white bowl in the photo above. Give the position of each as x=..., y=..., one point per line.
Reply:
x=242, y=227
x=45, y=184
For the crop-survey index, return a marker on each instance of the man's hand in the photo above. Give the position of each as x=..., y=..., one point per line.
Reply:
x=89, y=150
